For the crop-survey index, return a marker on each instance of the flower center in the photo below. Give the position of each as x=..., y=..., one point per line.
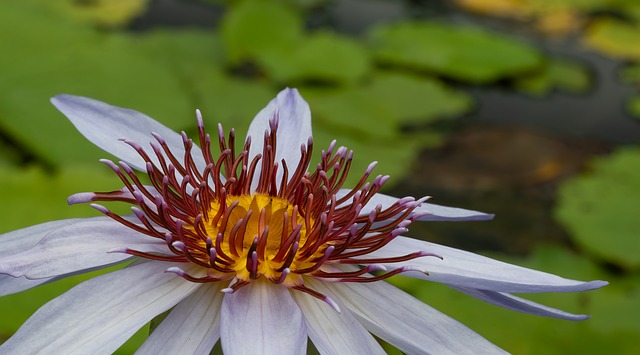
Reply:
x=240, y=217
x=259, y=235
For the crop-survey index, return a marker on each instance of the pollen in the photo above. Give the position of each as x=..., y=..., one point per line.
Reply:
x=241, y=216
x=260, y=235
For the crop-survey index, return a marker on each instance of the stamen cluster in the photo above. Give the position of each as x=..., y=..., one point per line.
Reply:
x=242, y=217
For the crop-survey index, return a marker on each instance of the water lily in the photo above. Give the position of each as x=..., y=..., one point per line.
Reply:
x=259, y=248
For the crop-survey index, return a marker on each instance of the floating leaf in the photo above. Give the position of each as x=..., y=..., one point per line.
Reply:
x=600, y=208
x=78, y=61
x=417, y=99
x=111, y=13
x=614, y=38
x=253, y=29
x=556, y=73
x=31, y=196
x=633, y=106
x=394, y=156
x=322, y=56
x=383, y=105
x=463, y=53
x=631, y=74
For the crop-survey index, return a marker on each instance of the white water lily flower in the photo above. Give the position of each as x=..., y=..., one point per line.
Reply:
x=257, y=248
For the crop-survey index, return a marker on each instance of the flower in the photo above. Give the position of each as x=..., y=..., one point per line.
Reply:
x=248, y=247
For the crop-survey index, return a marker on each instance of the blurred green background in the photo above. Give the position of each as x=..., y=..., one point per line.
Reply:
x=523, y=108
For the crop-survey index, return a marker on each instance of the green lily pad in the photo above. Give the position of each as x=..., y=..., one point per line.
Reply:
x=31, y=196
x=386, y=102
x=394, y=156
x=463, y=53
x=254, y=29
x=600, y=208
x=101, y=12
x=417, y=99
x=321, y=56
x=630, y=74
x=78, y=61
x=556, y=74
x=633, y=107
x=614, y=38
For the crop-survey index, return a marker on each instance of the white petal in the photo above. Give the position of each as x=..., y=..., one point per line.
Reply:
x=332, y=332
x=192, y=327
x=105, y=125
x=435, y=212
x=465, y=269
x=405, y=322
x=82, y=245
x=22, y=239
x=262, y=318
x=100, y=314
x=294, y=128
x=519, y=304
x=10, y=285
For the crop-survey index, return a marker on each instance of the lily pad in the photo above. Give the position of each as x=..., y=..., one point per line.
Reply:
x=631, y=74
x=106, y=13
x=614, y=38
x=600, y=208
x=394, y=156
x=417, y=99
x=556, y=74
x=633, y=107
x=254, y=29
x=78, y=61
x=380, y=107
x=464, y=53
x=31, y=196
x=322, y=56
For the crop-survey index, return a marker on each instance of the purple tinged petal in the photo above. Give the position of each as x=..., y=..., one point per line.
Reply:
x=465, y=269
x=332, y=332
x=514, y=303
x=106, y=126
x=83, y=245
x=294, y=128
x=427, y=211
x=100, y=314
x=192, y=327
x=404, y=321
x=10, y=285
x=262, y=318
x=23, y=239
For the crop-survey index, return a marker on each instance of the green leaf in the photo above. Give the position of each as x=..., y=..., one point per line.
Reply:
x=394, y=156
x=556, y=74
x=253, y=29
x=600, y=208
x=106, y=13
x=414, y=99
x=322, y=56
x=463, y=53
x=630, y=74
x=614, y=38
x=46, y=56
x=381, y=106
x=31, y=196
x=633, y=107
